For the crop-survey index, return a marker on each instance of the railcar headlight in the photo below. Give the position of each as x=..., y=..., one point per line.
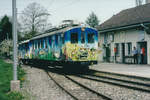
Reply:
x=57, y=55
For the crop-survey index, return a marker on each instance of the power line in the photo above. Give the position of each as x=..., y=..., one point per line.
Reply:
x=67, y=5
x=52, y=1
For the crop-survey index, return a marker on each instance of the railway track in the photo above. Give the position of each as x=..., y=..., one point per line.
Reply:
x=135, y=83
x=76, y=90
x=75, y=98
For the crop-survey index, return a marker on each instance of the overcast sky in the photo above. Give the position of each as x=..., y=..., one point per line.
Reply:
x=72, y=9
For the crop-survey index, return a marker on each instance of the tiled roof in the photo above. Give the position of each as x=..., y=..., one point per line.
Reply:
x=136, y=15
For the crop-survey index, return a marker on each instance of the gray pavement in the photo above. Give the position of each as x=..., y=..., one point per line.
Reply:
x=127, y=69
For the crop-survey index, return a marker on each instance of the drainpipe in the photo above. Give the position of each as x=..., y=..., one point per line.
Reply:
x=145, y=27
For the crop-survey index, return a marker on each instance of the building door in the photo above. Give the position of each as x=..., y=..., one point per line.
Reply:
x=108, y=53
x=123, y=52
x=144, y=45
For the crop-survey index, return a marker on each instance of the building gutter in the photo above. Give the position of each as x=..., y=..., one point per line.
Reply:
x=123, y=27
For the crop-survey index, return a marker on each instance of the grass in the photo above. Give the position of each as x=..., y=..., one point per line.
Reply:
x=6, y=75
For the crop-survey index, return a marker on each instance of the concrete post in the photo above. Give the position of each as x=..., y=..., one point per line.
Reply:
x=15, y=84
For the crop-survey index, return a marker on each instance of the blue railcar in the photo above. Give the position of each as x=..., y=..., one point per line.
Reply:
x=70, y=45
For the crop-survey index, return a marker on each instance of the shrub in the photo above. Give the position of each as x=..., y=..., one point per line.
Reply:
x=6, y=47
x=15, y=96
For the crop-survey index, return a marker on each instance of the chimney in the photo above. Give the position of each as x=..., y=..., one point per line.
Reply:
x=138, y=2
x=147, y=1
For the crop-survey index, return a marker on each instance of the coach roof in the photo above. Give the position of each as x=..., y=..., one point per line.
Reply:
x=128, y=17
x=62, y=30
x=57, y=31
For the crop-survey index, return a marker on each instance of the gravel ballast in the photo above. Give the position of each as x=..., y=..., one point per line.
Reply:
x=41, y=87
x=114, y=92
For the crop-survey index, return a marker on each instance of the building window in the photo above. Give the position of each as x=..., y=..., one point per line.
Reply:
x=91, y=38
x=111, y=37
x=74, y=37
x=105, y=38
x=129, y=48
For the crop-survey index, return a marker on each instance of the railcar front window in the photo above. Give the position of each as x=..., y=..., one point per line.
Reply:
x=91, y=38
x=74, y=37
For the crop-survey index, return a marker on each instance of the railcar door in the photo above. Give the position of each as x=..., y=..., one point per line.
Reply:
x=57, y=46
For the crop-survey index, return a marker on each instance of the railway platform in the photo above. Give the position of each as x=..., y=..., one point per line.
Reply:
x=125, y=69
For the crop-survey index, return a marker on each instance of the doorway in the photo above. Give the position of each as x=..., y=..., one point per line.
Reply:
x=143, y=45
x=123, y=52
x=107, y=53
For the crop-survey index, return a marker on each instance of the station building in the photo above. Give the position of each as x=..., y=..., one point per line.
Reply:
x=123, y=31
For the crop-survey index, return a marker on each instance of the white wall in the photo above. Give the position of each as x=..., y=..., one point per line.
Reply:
x=101, y=41
x=132, y=36
x=147, y=38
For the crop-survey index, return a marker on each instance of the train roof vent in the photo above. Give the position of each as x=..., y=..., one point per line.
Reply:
x=67, y=23
x=52, y=29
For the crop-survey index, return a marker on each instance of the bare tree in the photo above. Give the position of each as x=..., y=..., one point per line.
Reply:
x=34, y=19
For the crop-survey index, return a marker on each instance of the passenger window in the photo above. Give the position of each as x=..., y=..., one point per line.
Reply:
x=46, y=44
x=50, y=41
x=74, y=37
x=82, y=37
x=39, y=45
x=35, y=45
x=42, y=46
x=53, y=41
x=56, y=39
x=63, y=38
x=91, y=38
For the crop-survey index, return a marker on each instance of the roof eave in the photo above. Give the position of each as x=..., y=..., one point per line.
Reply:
x=123, y=27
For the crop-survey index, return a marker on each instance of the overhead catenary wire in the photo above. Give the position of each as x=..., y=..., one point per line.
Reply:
x=67, y=5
